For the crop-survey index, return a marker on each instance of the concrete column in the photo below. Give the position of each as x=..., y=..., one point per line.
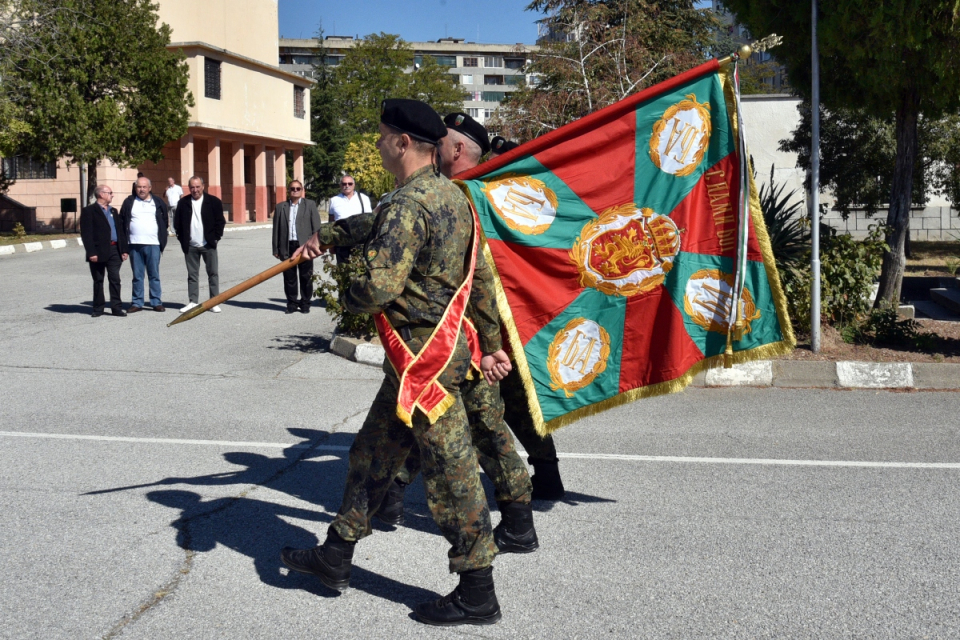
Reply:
x=239, y=213
x=186, y=159
x=280, y=174
x=298, y=163
x=261, y=200
x=213, y=167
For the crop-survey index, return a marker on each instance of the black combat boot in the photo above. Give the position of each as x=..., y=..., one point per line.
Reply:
x=515, y=533
x=391, y=509
x=331, y=561
x=473, y=602
x=546, y=479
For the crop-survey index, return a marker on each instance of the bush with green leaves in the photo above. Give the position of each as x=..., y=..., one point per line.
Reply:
x=885, y=328
x=787, y=226
x=331, y=292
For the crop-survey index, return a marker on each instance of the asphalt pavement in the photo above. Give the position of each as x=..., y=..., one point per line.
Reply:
x=149, y=477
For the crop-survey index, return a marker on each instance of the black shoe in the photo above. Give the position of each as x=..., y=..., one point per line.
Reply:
x=474, y=601
x=96, y=314
x=290, y=310
x=331, y=561
x=119, y=313
x=305, y=309
x=515, y=533
x=546, y=480
x=391, y=509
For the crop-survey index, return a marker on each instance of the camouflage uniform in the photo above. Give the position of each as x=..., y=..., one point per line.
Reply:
x=415, y=263
x=485, y=409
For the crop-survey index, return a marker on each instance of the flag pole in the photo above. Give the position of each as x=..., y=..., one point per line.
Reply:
x=814, y=185
x=238, y=289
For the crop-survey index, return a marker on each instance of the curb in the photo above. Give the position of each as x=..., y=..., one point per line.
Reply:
x=31, y=247
x=785, y=374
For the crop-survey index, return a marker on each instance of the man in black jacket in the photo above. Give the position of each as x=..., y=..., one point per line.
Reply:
x=145, y=219
x=294, y=221
x=105, y=241
x=199, y=224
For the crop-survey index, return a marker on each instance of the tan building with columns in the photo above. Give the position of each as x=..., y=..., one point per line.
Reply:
x=248, y=116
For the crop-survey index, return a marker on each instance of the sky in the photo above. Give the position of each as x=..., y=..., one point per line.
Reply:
x=481, y=21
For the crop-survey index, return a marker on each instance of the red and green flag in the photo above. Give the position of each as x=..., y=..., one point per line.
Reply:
x=630, y=249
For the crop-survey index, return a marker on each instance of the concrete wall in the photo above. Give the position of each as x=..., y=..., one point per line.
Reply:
x=247, y=27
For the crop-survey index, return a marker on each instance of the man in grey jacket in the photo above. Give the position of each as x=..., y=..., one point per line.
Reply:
x=294, y=221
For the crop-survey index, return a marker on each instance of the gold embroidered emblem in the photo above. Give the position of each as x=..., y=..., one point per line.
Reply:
x=707, y=299
x=681, y=137
x=526, y=204
x=626, y=251
x=577, y=355
x=371, y=254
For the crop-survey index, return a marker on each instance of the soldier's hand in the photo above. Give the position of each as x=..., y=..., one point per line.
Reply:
x=495, y=366
x=93, y=258
x=311, y=248
x=124, y=256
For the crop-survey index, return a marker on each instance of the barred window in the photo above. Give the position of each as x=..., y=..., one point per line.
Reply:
x=299, y=110
x=211, y=78
x=26, y=168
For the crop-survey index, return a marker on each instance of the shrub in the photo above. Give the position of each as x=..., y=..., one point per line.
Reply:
x=19, y=231
x=884, y=328
x=331, y=292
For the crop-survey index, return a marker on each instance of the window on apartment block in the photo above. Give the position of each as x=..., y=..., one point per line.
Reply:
x=493, y=62
x=466, y=79
x=26, y=168
x=299, y=109
x=471, y=62
x=493, y=96
x=492, y=79
x=473, y=112
x=488, y=113
x=211, y=78
x=513, y=63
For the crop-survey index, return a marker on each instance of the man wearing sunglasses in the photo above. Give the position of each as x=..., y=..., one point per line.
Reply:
x=344, y=205
x=294, y=221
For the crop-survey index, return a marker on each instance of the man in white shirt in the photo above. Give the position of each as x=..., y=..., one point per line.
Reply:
x=199, y=224
x=145, y=221
x=174, y=193
x=345, y=204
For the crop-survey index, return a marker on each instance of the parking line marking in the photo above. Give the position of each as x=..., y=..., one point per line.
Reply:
x=572, y=456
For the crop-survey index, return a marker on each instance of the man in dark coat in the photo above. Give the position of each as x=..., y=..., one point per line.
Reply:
x=199, y=224
x=105, y=241
x=288, y=237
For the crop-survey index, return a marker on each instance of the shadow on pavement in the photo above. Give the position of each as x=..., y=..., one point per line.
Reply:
x=257, y=305
x=305, y=343
x=85, y=308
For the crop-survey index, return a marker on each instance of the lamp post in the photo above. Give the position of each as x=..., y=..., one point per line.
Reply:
x=814, y=186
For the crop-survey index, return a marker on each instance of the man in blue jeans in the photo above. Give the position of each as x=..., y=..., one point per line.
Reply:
x=145, y=219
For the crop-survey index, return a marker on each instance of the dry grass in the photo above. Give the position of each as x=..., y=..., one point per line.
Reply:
x=934, y=258
x=7, y=237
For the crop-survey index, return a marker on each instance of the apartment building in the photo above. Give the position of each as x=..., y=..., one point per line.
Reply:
x=486, y=72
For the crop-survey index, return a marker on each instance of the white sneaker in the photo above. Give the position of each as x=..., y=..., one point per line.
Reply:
x=189, y=305
x=216, y=309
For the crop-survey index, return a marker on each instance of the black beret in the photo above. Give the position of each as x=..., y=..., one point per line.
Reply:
x=502, y=145
x=469, y=127
x=414, y=118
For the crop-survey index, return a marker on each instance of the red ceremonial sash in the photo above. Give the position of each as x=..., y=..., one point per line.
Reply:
x=418, y=373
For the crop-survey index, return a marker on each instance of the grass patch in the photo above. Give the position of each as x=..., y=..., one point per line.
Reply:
x=8, y=237
x=931, y=257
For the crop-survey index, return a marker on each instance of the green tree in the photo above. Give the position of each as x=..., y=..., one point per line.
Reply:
x=373, y=71
x=899, y=57
x=324, y=160
x=597, y=52
x=112, y=90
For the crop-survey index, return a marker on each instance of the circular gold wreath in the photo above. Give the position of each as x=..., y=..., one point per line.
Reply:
x=553, y=365
x=703, y=109
x=750, y=312
x=523, y=181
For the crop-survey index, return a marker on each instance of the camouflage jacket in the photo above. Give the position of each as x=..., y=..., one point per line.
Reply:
x=415, y=248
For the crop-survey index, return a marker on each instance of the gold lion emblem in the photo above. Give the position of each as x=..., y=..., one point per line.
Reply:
x=626, y=251
x=681, y=137
x=708, y=297
x=577, y=355
x=526, y=204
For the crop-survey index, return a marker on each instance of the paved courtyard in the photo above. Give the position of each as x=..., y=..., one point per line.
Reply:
x=149, y=477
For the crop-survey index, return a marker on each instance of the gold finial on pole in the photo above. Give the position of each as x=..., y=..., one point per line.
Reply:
x=747, y=50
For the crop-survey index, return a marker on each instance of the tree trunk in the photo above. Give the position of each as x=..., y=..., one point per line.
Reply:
x=91, y=183
x=898, y=218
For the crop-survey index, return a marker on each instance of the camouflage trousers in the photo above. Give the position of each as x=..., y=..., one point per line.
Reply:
x=517, y=416
x=448, y=459
x=495, y=450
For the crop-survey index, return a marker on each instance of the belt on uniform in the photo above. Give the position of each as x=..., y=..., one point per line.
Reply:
x=112, y=243
x=409, y=333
